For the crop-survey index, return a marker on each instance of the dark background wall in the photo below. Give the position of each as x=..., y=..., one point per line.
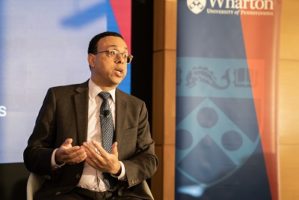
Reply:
x=13, y=177
x=142, y=49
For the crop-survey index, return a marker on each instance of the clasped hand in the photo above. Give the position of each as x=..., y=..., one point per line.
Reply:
x=91, y=152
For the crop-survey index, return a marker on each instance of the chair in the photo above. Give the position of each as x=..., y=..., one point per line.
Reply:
x=33, y=184
x=148, y=190
x=35, y=181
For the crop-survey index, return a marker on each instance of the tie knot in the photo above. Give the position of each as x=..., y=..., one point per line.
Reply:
x=104, y=95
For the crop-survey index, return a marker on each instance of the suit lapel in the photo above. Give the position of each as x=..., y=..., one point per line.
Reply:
x=121, y=110
x=81, y=106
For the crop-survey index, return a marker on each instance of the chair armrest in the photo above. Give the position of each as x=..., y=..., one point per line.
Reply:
x=33, y=184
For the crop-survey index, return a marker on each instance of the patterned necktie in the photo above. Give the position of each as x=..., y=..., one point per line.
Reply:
x=107, y=133
x=106, y=122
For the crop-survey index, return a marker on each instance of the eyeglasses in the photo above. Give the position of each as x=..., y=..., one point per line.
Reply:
x=113, y=53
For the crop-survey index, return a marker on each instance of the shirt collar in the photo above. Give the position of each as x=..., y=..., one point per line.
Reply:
x=94, y=90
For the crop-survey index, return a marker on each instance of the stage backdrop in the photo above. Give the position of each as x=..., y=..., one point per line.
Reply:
x=225, y=129
x=44, y=44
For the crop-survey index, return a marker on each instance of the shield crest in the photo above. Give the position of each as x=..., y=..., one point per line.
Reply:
x=196, y=6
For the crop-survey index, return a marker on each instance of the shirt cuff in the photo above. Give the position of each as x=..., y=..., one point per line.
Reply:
x=122, y=175
x=54, y=165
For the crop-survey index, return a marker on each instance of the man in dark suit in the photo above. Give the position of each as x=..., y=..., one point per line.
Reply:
x=66, y=144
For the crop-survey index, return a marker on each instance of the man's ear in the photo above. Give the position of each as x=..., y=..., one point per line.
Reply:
x=91, y=60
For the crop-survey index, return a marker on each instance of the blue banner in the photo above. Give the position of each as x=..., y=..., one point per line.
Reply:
x=219, y=148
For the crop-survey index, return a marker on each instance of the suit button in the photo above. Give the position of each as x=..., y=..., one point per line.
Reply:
x=120, y=192
x=57, y=193
x=134, y=181
x=78, y=176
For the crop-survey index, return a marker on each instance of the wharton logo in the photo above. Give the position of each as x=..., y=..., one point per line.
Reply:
x=232, y=7
x=196, y=6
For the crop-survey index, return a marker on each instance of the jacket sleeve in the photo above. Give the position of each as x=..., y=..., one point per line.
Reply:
x=143, y=164
x=37, y=154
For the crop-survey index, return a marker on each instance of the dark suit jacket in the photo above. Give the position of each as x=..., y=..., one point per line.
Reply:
x=64, y=115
